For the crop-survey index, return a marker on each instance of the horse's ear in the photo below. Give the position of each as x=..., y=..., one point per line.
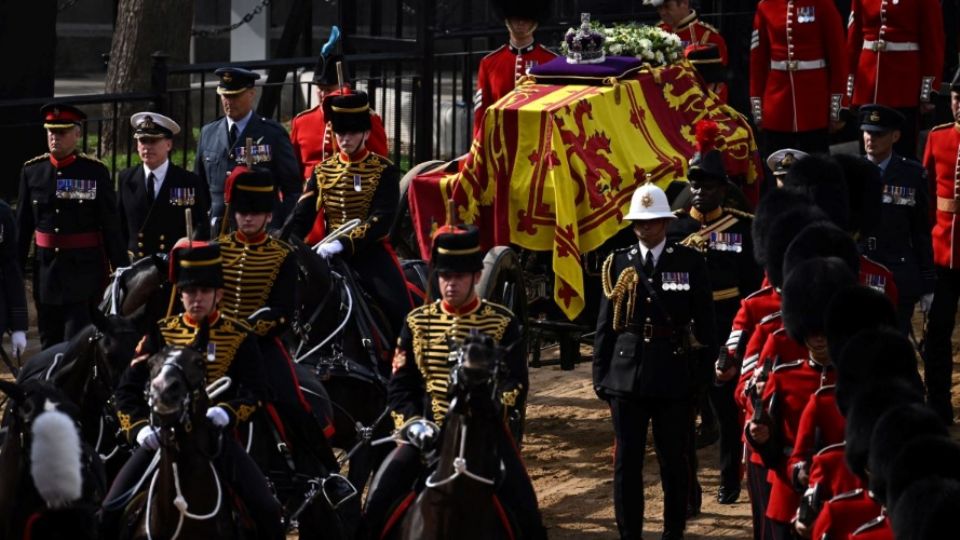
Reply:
x=12, y=390
x=98, y=319
x=202, y=338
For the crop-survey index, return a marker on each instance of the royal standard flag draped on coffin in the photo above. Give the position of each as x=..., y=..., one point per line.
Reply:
x=556, y=165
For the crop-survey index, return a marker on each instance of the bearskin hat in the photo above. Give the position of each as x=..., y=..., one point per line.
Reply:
x=872, y=402
x=535, y=10
x=927, y=509
x=924, y=457
x=821, y=179
x=772, y=206
x=808, y=290
x=894, y=429
x=865, y=192
x=822, y=239
x=852, y=310
x=782, y=232
x=871, y=356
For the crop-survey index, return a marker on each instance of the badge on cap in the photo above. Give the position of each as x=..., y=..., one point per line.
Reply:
x=646, y=200
x=875, y=116
x=227, y=77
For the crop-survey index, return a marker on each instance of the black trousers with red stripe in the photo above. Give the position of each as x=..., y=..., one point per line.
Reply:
x=759, y=490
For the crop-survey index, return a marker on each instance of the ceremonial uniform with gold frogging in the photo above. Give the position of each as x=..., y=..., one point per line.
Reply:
x=235, y=354
x=422, y=363
x=364, y=187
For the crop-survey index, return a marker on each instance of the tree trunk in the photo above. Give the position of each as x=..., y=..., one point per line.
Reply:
x=28, y=31
x=142, y=28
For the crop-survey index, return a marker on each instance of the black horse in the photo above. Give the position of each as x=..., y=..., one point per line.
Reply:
x=458, y=499
x=181, y=494
x=87, y=369
x=50, y=482
x=346, y=355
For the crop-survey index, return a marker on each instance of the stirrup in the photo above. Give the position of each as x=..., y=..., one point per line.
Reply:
x=335, y=499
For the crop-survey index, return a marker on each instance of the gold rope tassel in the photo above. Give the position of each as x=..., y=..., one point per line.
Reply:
x=625, y=290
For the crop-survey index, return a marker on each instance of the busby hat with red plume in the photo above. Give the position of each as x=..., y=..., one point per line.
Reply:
x=707, y=163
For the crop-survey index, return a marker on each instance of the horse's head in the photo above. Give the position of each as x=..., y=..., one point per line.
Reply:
x=477, y=362
x=177, y=376
x=43, y=425
x=117, y=337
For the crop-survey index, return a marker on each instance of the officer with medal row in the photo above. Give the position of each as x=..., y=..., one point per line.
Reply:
x=153, y=197
x=221, y=145
x=655, y=334
x=67, y=208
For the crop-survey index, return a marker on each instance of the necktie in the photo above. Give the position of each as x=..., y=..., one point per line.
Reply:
x=151, y=187
x=648, y=264
x=234, y=133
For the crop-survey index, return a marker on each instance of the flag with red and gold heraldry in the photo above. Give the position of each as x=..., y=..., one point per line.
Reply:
x=556, y=165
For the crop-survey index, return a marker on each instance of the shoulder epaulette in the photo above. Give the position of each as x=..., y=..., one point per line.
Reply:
x=283, y=243
x=88, y=157
x=493, y=52
x=825, y=388
x=852, y=494
x=770, y=317
x=310, y=110
x=33, y=160
x=382, y=158
x=788, y=365
x=765, y=290
x=504, y=310
x=943, y=126
x=831, y=447
x=241, y=326
x=737, y=212
x=708, y=26
x=869, y=525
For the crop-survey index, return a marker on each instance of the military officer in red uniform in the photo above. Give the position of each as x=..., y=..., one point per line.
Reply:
x=500, y=70
x=798, y=70
x=895, y=50
x=676, y=16
x=942, y=161
x=310, y=131
x=67, y=199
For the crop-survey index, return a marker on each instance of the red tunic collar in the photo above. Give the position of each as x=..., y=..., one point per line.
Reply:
x=360, y=155
x=211, y=318
x=61, y=163
x=258, y=238
x=465, y=309
x=524, y=50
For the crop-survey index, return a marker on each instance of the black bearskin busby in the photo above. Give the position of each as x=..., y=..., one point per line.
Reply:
x=251, y=191
x=771, y=207
x=783, y=231
x=870, y=403
x=874, y=355
x=349, y=113
x=853, y=310
x=821, y=179
x=457, y=249
x=821, y=239
x=894, y=429
x=807, y=290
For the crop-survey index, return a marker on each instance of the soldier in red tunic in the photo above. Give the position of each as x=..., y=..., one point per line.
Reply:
x=310, y=131
x=500, y=70
x=942, y=161
x=677, y=17
x=895, y=49
x=798, y=68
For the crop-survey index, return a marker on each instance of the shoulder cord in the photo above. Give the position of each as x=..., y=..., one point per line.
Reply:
x=624, y=289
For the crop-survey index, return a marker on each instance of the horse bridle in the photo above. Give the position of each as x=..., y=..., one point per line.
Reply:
x=185, y=406
x=459, y=466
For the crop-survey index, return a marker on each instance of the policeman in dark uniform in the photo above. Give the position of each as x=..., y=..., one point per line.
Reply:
x=418, y=388
x=13, y=297
x=655, y=333
x=221, y=145
x=155, y=195
x=356, y=183
x=723, y=236
x=67, y=198
x=260, y=287
x=197, y=273
x=901, y=239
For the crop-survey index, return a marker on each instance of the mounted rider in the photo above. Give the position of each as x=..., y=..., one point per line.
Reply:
x=359, y=184
x=232, y=351
x=259, y=284
x=419, y=387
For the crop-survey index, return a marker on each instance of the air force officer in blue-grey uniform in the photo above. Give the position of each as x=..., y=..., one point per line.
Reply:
x=221, y=146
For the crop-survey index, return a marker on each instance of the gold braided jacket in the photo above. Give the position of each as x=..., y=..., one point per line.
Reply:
x=433, y=329
x=249, y=273
x=345, y=189
x=226, y=335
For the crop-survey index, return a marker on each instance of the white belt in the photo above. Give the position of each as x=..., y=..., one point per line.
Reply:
x=893, y=46
x=797, y=65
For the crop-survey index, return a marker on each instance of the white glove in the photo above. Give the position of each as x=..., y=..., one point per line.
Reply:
x=218, y=416
x=147, y=437
x=330, y=249
x=925, y=302
x=19, y=342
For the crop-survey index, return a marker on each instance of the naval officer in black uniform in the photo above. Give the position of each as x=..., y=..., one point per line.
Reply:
x=655, y=333
x=155, y=195
x=67, y=199
x=221, y=145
